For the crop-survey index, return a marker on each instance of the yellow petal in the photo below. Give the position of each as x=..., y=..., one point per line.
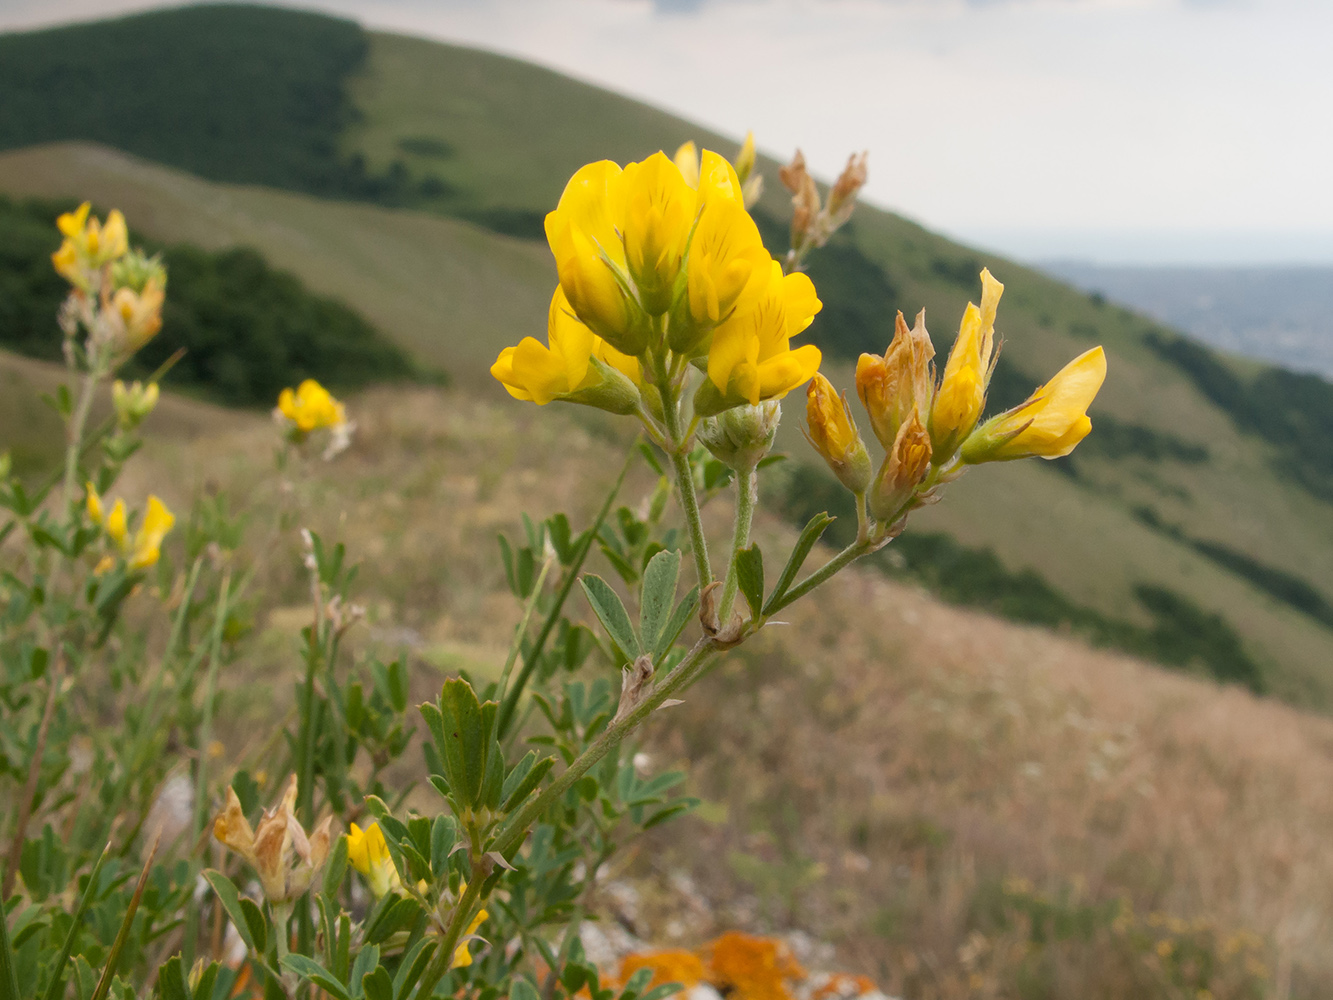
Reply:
x=687, y=161
x=117, y=524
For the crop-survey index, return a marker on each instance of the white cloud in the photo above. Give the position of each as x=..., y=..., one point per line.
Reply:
x=980, y=115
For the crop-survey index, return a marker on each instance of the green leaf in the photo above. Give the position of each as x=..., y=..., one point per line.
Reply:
x=9, y=980
x=203, y=989
x=254, y=917
x=750, y=577
x=397, y=916
x=377, y=985
x=55, y=989
x=810, y=534
x=523, y=788
x=659, y=591
x=367, y=961
x=170, y=981
x=413, y=967
x=335, y=869
x=308, y=968
x=230, y=899
x=680, y=617
x=443, y=836
x=463, y=741
x=523, y=990
x=611, y=613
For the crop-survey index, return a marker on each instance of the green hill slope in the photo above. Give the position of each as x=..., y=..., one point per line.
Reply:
x=1179, y=488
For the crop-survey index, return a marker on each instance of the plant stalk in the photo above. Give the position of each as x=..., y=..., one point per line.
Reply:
x=747, y=495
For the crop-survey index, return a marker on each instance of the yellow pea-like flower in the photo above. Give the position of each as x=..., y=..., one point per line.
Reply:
x=117, y=525
x=962, y=394
x=750, y=358
x=659, y=210
x=585, y=236
x=96, y=513
x=139, y=313
x=1050, y=423
x=575, y=365
x=147, y=547
x=310, y=407
x=369, y=854
x=832, y=432
x=904, y=468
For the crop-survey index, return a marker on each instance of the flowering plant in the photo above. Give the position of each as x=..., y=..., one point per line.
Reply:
x=669, y=310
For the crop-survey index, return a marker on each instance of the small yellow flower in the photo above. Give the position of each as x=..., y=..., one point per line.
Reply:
x=148, y=539
x=369, y=854
x=1050, y=423
x=94, y=504
x=574, y=365
x=117, y=525
x=832, y=432
x=310, y=407
x=962, y=392
x=462, y=956
x=750, y=357
x=900, y=383
x=88, y=244
x=138, y=315
x=283, y=857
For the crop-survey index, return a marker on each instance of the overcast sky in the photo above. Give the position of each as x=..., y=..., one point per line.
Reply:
x=1120, y=130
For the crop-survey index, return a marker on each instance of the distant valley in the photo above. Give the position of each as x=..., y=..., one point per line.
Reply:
x=1282, y=315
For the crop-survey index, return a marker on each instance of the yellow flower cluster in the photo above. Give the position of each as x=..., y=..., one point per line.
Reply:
x=310, y=407
x=88, y=244
x=924, y=427
x=96, y=258
x=660, y=264
x=145, y=548
x=368, y=853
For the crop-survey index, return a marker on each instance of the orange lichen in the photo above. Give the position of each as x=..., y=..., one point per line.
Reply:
x=677, y=966
x=744, y=967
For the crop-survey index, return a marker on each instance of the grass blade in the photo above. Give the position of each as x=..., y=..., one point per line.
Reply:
x=109, y=973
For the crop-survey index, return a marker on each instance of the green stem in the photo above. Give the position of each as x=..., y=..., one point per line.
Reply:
x=681, y=676
x=510, y=701
x=75, y=434
x=747, y=495
x=844, y=558
x=443, y=959
x=678, y=450
x=516, y=646
x=210, y=691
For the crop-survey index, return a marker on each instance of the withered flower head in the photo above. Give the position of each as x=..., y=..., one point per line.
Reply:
x=283, y=857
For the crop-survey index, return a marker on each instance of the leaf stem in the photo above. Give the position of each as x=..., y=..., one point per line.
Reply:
x=678, y=451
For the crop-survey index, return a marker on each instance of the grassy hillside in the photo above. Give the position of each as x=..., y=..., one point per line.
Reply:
x=998, y=770
x=1180, y=501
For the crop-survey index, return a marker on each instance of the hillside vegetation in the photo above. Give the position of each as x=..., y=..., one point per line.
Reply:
x=1181, y=508
x=1018, y=808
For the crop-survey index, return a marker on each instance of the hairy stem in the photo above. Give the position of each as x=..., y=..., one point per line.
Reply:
x=678, y=450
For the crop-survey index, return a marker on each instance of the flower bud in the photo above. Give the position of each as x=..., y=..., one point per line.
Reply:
x=133, y=403
x=906, y=465
x=1050, y=423
x=832, y=432
x=741, y=436
x=962, y=395
x=842, y=199
x=900, y=383
x=744, y=162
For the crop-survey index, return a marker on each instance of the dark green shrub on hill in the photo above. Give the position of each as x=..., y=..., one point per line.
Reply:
x=248, y=330
x=1290, y=410
x=234, y=93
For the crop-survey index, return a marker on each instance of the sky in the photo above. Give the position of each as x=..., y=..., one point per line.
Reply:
x=1118, y=131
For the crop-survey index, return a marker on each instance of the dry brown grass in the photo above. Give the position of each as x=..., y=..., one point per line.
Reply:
x=875, y=773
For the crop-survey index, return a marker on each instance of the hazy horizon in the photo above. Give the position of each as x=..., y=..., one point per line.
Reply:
x=1111, y=131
